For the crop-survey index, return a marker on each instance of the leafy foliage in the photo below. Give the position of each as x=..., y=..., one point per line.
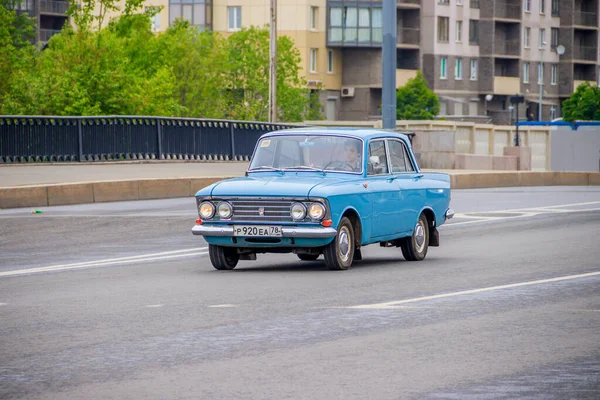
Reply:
x=416, y=101
x=584, y=104
x=121, y=67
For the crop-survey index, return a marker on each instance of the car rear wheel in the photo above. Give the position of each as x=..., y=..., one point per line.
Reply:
x=414, y=248
x=308, y=257
x=223, y=258
x=340, y=252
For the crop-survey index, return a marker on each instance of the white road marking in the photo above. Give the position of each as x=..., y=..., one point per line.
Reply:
x=222, y=306
x=395, y=304
x=155, y=306
x=3, y=304
x=102, y=263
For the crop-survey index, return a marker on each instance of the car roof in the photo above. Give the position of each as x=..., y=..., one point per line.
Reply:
x=362, y=133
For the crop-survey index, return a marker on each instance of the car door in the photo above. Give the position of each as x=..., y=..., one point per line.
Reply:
x=408, y=181
x=384, y=193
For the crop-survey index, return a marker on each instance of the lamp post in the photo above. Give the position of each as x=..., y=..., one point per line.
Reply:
x=541, y=79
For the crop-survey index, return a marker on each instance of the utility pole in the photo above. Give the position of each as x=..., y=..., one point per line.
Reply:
x=273, y=65
x=388, y=89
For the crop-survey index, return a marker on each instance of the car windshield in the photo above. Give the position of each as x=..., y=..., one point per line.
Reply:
x=303, y=152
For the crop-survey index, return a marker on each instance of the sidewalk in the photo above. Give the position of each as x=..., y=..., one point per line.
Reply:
x=15, y=175
x=39, y=185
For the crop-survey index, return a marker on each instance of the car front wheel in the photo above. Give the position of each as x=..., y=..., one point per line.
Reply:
x=414, y=248
x=223, y=258
x=340, y=252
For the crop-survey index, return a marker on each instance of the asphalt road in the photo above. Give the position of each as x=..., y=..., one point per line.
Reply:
x=119, y=301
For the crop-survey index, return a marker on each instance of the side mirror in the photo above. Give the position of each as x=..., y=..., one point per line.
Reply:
x=374, y=160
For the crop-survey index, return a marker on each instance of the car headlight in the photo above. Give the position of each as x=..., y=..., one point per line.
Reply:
x=225, y=210
x=207, y=210
x=316, y=211
x=298, y=211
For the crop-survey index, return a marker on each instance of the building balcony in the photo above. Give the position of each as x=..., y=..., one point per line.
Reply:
x=508, y=48
x=474, y=4
x=507, y=85
x=403, y=75
x=585, y=53
x=54, y=7
x=507, y=11
x=46, y=34
x=408, y=3
x=576, y=84
x=583, y=18
x=408, y=36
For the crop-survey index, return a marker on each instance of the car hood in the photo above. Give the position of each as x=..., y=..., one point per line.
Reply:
x=284, y=186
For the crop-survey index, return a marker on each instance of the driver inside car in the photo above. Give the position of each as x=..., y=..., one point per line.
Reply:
x=352, y=153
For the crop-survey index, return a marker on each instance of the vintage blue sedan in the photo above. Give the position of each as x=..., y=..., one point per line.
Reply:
x=313, y=191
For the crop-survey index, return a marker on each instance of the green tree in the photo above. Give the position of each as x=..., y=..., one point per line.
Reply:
x=16, y=51
x=416, y=101
x=246, y=73
x=584, y=104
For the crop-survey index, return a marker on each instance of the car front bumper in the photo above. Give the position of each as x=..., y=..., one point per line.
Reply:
x=287, y=232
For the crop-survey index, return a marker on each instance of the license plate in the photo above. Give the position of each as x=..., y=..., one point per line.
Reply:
x=254, y=230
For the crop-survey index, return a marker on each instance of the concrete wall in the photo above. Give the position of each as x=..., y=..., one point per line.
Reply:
x=575, y=150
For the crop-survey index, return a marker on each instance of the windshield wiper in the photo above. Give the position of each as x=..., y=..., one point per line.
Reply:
x=306, y=167
x=263, y=167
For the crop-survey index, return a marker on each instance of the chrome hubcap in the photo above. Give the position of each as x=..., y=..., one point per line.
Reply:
x=344, y=244
x=420, y=236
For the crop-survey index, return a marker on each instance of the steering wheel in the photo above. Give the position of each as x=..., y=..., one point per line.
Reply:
x=339, y=164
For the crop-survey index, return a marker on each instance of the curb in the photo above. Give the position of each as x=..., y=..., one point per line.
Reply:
x=148, y=189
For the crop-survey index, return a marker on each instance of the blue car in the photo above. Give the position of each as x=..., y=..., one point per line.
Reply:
x=313, y=191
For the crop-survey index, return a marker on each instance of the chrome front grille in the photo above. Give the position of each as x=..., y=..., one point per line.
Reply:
x=272, y=210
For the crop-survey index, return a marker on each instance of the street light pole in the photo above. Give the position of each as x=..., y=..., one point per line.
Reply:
x=541, y=73
x=388, y=79
x=273, y=65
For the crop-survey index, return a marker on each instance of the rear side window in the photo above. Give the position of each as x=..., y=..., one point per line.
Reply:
x=377, y=163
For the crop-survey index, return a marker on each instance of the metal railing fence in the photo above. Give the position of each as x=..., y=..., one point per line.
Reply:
x=106, y=138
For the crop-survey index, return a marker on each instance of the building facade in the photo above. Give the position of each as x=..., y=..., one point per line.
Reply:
x=475, y=54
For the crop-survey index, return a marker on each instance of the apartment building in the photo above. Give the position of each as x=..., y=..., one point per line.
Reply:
x=50, y=16
x=468, y=50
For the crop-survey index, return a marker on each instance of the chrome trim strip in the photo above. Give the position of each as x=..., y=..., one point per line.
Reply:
x=449, y=213
x=294, y=231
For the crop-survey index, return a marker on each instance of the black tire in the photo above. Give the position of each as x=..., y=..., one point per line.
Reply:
x=223, y=258
x=340, y=252
x=414, y=248
x=308, y=257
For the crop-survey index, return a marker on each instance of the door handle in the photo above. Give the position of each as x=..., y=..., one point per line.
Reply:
x=419, y=176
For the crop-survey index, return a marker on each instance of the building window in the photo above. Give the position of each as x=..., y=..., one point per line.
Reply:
x=444, y=2
x=554, y=38
x=540, y=74
x=459, y=2
x=458, y=69
x=443, y=29
x=197, y=13
x=313, y=60
x=527, y=37
x=525, y=72
x=459, y=31
x=473, y=70
x=355, y=26
x=235, y=18
x=155, y=20
x=542, y=6
x=555, y=8
x=542, y=38
x=527, y=5
x=554, y=73
x=473, y=31
x=553, y=112
x=474, y=4
x=313, y=18
x=443, y=68
x=330, y=61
